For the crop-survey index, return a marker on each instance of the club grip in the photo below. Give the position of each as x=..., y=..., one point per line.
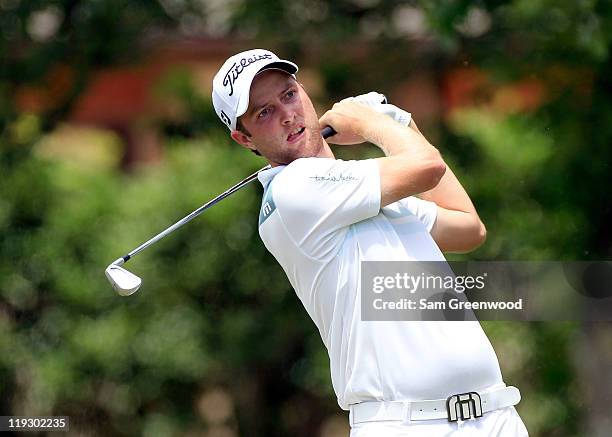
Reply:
x=328, y=131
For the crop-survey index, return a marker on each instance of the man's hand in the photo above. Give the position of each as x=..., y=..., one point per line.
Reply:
x=378, y=102
x=353, y=121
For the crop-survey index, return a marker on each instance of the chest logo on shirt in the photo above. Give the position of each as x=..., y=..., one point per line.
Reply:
x=334, y=178
x=267, y=206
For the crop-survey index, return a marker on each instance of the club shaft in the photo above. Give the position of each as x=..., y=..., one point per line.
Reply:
x=325, y=133
x=195, y=213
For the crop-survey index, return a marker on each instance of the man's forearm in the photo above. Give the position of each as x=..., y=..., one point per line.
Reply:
x=411, y=164
x=394, y=139
x=450, y=194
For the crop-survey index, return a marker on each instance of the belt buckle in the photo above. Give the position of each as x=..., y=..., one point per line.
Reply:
x=464, y=406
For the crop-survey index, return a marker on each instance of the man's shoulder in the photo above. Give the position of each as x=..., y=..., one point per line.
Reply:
x=294, y=186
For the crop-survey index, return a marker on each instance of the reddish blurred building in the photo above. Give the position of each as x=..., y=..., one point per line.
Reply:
x=124, y=98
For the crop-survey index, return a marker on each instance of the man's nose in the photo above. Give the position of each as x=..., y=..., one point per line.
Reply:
x=287, y=115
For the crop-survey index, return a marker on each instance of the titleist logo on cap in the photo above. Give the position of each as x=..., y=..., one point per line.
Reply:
x=238, y=67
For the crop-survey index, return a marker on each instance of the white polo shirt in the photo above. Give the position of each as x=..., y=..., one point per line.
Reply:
x=320, y=218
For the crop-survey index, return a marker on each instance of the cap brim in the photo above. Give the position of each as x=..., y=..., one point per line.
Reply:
x=286, y=66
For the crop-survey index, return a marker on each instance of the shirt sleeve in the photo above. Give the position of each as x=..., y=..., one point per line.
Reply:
x=319, y=198
x=426, y=211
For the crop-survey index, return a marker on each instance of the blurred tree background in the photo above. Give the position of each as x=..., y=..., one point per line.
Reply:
x=103, y=145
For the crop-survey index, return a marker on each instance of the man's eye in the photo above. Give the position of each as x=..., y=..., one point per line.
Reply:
x=263, y=113
x=290, y=94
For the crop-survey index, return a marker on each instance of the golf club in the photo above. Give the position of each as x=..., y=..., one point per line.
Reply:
x=127, y=283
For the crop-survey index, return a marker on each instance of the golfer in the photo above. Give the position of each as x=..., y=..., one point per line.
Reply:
x=321, y=217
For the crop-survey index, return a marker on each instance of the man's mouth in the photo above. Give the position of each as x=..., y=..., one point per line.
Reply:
x=296, y=134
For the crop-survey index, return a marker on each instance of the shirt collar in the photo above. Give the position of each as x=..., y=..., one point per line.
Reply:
x=265, y=177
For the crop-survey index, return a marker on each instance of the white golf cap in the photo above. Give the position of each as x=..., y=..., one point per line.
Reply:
x=232, y=83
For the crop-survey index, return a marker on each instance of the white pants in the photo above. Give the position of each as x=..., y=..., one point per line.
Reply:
x=499, y=423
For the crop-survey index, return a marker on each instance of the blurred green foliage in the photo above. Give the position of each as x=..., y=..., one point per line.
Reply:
x=216, y=326
x=214, y=308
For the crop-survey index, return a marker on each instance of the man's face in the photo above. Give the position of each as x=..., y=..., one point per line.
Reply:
x=281, y=120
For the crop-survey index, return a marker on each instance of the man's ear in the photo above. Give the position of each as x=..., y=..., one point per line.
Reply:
x=243, y=139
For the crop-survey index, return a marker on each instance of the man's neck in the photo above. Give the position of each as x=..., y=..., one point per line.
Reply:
x=324, y=152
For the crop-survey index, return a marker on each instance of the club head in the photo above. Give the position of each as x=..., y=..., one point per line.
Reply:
x=125, y=283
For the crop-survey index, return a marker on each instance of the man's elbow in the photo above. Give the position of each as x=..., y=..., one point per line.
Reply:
x=473, y=237
x=480, y=234
x=435, y=169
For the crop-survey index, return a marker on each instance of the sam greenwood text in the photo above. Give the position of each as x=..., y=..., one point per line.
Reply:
x=452, y=304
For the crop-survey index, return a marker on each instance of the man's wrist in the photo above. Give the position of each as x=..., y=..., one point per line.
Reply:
x=376, y=129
